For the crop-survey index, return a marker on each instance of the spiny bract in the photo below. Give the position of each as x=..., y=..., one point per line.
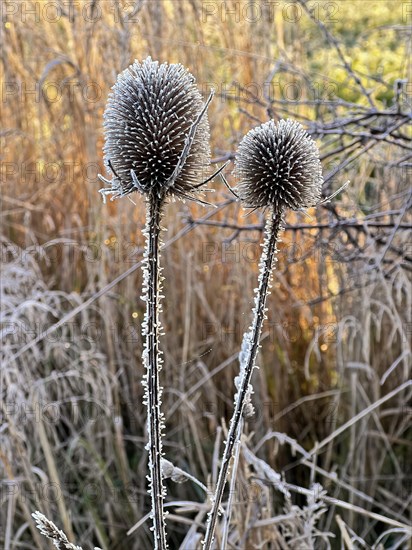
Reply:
x=278, y=165
x=149, y=114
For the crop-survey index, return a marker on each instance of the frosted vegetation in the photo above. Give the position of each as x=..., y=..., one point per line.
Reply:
x=320, y=456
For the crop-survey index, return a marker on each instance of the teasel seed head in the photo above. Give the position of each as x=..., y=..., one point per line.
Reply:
x=278, y=165
x=156, y=137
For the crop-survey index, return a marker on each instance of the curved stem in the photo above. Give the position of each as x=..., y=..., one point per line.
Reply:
x=152, y=361
x=273, y=227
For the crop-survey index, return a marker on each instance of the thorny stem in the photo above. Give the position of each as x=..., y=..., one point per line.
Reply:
x=273, y=228
x=153, y=364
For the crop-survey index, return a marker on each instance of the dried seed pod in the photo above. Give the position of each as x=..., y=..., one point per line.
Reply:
x=156, y=143
x=156, y=132
x=278, y=165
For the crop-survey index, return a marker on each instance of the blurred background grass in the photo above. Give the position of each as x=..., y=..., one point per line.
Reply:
x=338, y=333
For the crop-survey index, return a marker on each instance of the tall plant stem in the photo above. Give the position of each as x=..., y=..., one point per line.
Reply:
x=273, y=228
x=152, y=360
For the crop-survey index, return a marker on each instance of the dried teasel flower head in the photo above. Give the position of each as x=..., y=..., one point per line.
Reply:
x=278, y=165
x=156, y=132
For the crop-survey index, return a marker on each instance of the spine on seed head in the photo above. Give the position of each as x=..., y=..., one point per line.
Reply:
x=278, y=165
x=154, y=142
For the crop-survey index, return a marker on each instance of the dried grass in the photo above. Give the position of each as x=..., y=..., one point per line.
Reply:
x=72, y=434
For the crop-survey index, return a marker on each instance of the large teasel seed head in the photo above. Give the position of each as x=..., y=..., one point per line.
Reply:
x=278, y=165
x=147, y=121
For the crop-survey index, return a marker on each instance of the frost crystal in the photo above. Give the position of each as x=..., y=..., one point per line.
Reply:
x=52, y=532
x=248, y=409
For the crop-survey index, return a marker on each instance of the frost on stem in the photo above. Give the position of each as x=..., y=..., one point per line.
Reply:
x=52, y=532
x=248, y=355
x=248, y=409
x=152, y=361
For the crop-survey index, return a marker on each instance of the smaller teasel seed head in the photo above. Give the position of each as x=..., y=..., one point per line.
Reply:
x=277, y=164
x=156, y=142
